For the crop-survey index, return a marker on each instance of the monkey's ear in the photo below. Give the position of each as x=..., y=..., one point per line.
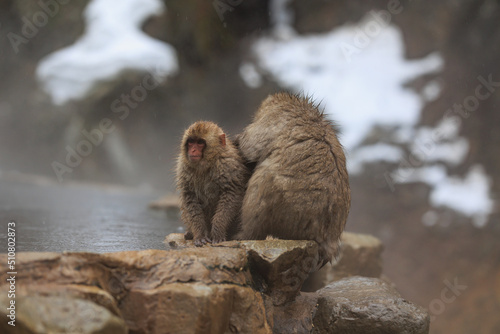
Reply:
x=222, y=139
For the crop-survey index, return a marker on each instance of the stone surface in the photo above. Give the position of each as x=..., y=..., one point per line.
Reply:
x=91, y=293
x=167, y=202
x=231, y=287
x=58, y=314
x=279, y=267
x=143, y=278
x=295, y=316
x=360, y=255
x=196, y=308
x=170, y=204
x=119, y=272
x=367, y=305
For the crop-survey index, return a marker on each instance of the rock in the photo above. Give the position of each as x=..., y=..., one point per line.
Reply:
x=92, y=293
x=176, y=240
x=170, y=204
x=367, y=305
x=295, y=316
x=196, y=308
x=149, y=278
x=360, y=255
x=278, y=267
x=120, y=272
x=58, y=314
x=231, y=287
x=165, y=203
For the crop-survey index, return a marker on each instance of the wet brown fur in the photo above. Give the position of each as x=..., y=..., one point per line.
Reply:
x=300, y=187
x=212, y=189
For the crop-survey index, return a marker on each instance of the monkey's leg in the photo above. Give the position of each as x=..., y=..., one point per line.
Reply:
x=226, y=214
x=192, y=216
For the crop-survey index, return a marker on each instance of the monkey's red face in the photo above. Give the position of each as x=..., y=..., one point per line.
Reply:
x=195, y=147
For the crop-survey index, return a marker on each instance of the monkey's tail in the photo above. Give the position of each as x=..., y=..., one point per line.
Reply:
x=328, y=252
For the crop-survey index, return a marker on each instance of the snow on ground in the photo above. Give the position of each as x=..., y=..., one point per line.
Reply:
x=112, y=43
x=372, y=153
x=441, y=143
x=469, y=195
x=358, y=73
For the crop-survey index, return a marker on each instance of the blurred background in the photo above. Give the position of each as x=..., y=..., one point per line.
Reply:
x=95, y=96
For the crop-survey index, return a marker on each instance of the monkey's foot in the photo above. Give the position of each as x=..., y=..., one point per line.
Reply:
x=202, y=241
x=188, y=235
x=218, y=240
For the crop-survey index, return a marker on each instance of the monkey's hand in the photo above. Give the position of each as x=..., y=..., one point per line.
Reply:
x=218, y=236
x=216, y=240
x=199, y=242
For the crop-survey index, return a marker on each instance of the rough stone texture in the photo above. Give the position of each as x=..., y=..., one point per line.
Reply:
x=278, y=267
x=207, y=279
x=232, y=287
x=360, y=255
x=92, y=293
x=58, y=314
x=195, y=307
x=295, y=316
x=367, y=305
x=119, y=272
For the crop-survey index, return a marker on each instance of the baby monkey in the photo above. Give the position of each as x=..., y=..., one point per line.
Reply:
x=211, y=179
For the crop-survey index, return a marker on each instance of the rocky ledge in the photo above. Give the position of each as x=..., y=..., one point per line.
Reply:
x=233, y=287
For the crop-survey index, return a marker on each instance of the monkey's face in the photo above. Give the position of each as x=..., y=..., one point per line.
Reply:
x=195, y=147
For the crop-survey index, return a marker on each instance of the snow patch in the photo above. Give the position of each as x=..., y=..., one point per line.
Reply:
x=250, y=75
x=431, y=91
x=360, y=93
x=441, y=143
x=469, y=196
x=372, y=153
x=112, y=43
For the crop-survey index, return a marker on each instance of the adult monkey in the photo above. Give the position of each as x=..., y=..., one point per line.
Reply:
x=299, y=189
x=211, y=178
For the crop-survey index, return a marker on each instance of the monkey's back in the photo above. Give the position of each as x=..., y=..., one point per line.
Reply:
x=300, y=188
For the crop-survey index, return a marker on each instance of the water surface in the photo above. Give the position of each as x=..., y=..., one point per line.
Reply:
x=55, y=218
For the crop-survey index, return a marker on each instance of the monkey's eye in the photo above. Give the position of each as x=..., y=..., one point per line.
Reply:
x=197, y=141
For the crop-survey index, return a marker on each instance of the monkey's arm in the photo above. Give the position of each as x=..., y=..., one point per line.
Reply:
x=227, y=212
x=192, y=216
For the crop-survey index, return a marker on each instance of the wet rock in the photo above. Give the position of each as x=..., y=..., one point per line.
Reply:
x=58, y=314
x=367, y=305
x=169, y=203
x=165, y=203
x=91, y=293
x=196, y=308
x=295, y=316
x=231, y=287
x=360, y=256
x=176, y=240
x=120, y=272
x=213, y=285
x=278, y=267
